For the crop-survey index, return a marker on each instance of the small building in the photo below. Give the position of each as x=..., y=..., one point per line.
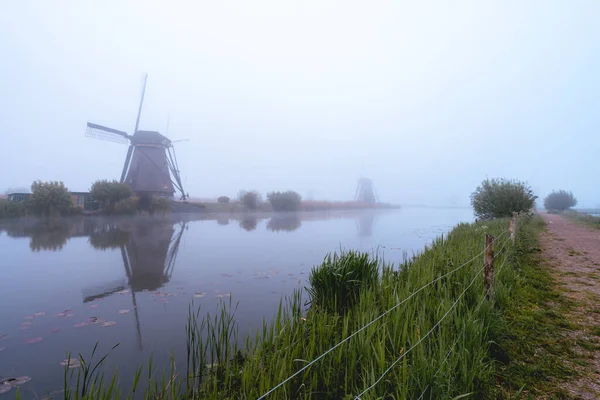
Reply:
x=81, y=199
x=18, y=197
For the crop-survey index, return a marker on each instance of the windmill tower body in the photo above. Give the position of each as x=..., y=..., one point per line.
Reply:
x=148, y=172
x=365, y=191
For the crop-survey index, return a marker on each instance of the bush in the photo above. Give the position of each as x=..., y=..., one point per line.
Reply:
x=126, y=206
x=285, y=201
x=76, y=210
x=336, y=284
x=559, y=201
x=8, y=209
x=498, y=198
x=109, y=193
x=223, y=200
x=49, y=199
x=160, y=204
x=250, y=200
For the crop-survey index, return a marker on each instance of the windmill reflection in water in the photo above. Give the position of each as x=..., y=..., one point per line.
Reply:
x=148, y=251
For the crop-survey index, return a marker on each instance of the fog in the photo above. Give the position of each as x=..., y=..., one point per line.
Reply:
x=424, y=98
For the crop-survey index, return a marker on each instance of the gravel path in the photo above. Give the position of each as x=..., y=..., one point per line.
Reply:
x=574, y=252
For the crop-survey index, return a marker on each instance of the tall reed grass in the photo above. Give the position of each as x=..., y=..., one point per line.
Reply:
x=452, y=361
x=335, y=285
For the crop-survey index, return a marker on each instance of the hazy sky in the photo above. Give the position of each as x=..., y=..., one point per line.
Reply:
x=425, y=98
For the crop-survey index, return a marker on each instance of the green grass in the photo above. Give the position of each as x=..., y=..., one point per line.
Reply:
x=443, y=344
x=582, y=219
x=536, y=353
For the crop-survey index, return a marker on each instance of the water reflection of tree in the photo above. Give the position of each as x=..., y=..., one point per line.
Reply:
x=45, y=235
x=284, y=222
x=108, y=237
x=249, y=223
x=49, y=237
x=223, y=220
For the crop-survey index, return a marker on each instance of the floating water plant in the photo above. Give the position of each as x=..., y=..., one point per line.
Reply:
x=34, y=340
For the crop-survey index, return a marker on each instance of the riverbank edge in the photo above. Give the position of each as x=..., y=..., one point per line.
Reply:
x=504, y=336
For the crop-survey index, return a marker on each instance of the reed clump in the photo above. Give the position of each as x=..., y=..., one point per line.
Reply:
x=336, y=284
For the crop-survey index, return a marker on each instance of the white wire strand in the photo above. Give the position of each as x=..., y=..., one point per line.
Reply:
x=462, y=332
x=428, y=333
x=375, y=320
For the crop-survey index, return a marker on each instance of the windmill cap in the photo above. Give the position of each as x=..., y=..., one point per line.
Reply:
x=150, y=137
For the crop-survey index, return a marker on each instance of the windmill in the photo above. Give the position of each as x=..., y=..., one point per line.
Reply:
x=365, y=192
x=150, y=166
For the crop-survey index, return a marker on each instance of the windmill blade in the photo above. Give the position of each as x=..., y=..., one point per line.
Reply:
x=137, y=121
x=103, y=133
x=126, y=165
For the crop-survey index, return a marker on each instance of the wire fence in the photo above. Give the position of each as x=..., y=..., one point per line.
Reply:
x=404, y=354
x=412, y=295
x=483, y=299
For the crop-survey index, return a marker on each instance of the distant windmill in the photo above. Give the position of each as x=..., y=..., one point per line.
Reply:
x=150, y=166
x=365, y=192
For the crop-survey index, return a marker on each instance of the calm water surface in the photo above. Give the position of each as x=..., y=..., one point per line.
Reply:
x=138, y=277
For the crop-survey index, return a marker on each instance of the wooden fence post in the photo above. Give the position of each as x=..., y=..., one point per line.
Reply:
x=513, y=227
x=488, y=266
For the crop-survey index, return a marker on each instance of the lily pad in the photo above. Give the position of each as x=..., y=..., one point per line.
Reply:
x=199, y=295
x=2, y=348
x=65, y=314
x=20, y=380
x=23, y=328
x=34, y=340
x=95, y=320
x=5, y=388
x=29, y=317
x=71, y=363
x=26, y=323
x=81, y=324
x=3, y=335
x=123, y=311
x=93, y=306
x=109, y=323
x=54, y=330
x=38, y=314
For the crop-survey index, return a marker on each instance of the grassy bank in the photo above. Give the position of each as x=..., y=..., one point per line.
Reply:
x=533, y=347
x=583, y=219
x=434, y=334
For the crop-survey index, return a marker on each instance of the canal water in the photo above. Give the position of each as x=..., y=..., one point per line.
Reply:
x=68, y=285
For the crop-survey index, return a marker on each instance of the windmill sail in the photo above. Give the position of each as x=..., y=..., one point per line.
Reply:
x=102, y=132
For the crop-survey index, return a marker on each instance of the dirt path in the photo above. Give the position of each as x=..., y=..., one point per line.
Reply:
x=574, y=252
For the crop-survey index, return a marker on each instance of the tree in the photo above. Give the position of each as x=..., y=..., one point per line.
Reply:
x=49, y=199
x=285, y=201
x=498, y=198
x=560, y=200
x=109, y=193
x=250, y=200
x=223, y=200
